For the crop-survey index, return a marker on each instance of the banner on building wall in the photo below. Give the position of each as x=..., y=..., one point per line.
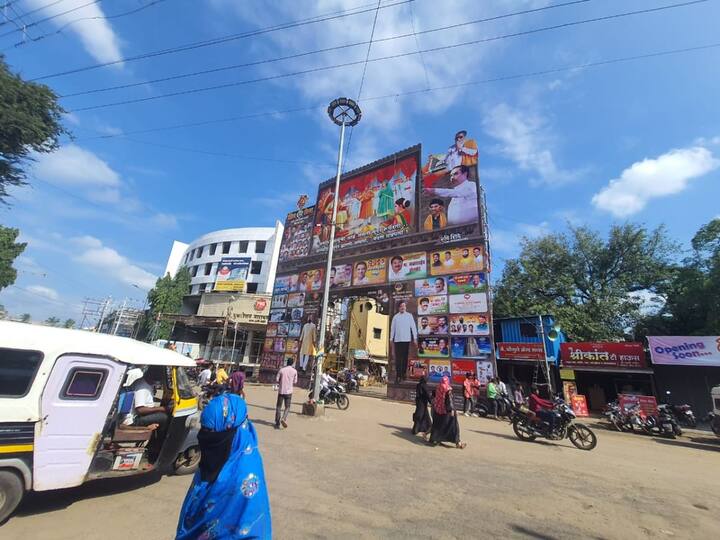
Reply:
x=603, y=354
x=520, y=351
x=376, y=204
x=453, y=260
x=685, y=350
x=296, y=236
x=232, y=274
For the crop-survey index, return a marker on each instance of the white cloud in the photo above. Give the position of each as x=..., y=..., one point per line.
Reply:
x=47, y=292
x=94, y=254
x=524, y=137
x=667, y=174
x=508, y=240
x=95, y=33
x=73, y=165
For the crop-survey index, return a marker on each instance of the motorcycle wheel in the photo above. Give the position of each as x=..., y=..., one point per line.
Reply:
x=482, y=410
x=582, y=437
x=691, y=422
x=616, y=424
x=677, y=430
x=343, y=402
x=521, y=432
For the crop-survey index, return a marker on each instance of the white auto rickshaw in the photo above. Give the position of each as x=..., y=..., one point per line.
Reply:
x=62, y=405
x=714, y=416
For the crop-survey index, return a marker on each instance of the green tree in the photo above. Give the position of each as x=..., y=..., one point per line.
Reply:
x=25, y=317
x=9, y=250
x=3, y=312
x=52, y=321
x=586, y=280
x=30, y=122
x=164, y=299
x=69, y=323
x=692, y=296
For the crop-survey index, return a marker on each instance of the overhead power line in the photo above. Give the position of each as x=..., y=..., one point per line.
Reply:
x=224, y=39
x=323, y=106
x=99, y=17
x=8, y=4
x=50, y=18
x=389, y=57
x=318, y=51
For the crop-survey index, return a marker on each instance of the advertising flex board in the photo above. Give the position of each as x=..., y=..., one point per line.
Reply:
x=377, y=204
x=521, y=351
x=685, y=350
x=298, y=232
x=232, y=274
x=602, y=354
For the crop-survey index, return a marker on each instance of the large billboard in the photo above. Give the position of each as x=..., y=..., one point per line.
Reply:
x=232, y=274
x=685, y=350
x=375, y=204
x=296, y=238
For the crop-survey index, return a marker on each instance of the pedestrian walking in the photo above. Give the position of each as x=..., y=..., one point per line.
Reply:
x=286, y=378
x=445, y=426
x=421, y=418
x=237, y=383
x=228, y=497
x=492, y=393
x=468, y=394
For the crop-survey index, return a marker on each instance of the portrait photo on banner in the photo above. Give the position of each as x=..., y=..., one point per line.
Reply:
x=432, y=325
x=467, y=283
x=450, y=193
x=370, y=272
x=454, y=260
x=407, y=266
x=430, y=286
x=432, y=305
x=437, y=369
x=341, y=276
x=469, y=324
x=435, y=346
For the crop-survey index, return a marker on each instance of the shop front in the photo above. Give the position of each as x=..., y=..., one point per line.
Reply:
x=601, y=371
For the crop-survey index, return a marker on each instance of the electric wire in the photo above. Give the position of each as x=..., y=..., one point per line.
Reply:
x=50, y=18
x=8, y=4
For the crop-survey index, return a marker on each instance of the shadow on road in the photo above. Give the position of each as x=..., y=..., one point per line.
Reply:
x=699, y=443
x=406, y=434
x=38, y=502
x=530, y=533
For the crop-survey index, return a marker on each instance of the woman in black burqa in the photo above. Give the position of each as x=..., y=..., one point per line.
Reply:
x=421, y=418
x=445, y=423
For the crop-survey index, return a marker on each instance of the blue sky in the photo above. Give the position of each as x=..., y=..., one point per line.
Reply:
x=636, y=140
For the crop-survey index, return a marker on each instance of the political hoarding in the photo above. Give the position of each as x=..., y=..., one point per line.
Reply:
x=469, y=324
x=310, y=280
x=429, y=347
x=376, y=204
x=437, y=369
x=285, y=284
x=341, y=276
x=471, y=347
x=370, y=272
x=454, y=260
x=432, y=305
x=430, y=286
x=602, y=354
x=460, y=368
x=485, y=371
x=232, y=274
x=685, y=350
x=296, y=237
x=407, y=266
x=432, y=325
x=468, y=303
x=467, y=283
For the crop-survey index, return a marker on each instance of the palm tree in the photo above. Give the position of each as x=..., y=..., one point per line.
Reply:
x=25, y=317
x=52, y=321
x=69, y=323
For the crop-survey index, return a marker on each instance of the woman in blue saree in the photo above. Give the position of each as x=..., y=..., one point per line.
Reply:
x=228, y=498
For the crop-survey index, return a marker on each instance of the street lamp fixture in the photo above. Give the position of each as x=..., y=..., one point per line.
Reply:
x=343, y=112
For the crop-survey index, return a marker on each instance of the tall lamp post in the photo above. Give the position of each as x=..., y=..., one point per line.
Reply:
x=343, y=112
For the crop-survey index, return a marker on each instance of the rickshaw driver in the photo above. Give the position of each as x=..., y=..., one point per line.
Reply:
x=145, y=412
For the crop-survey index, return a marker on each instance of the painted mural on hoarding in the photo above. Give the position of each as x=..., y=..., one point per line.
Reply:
x=296, y=237
x=602, y=354
x=374, y=205
x=232, y=274
x=685, y=350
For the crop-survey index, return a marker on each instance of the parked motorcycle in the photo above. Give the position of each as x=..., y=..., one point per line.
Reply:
x=527, y=427
x=666, y=423
x=505, y=406
x=615, y=415
x=714, y=421
x=683, y=413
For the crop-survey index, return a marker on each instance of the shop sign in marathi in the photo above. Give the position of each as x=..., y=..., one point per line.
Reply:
x=685, y=350
x=579, y=405
x=603, y=354
x=648, y=404
x=521, y=351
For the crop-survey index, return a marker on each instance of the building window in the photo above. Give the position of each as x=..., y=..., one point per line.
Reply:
x=193, y=273
x=190, y=289
x=260, y=246
x=199, y=252
x=226, y=248
x=186, y=257
x=528, y=330
x=17, y=371
x=252, y=287
x=192, y=254
x=213, y=247
x=243, y=247
x=208, y=268
x=84, y=383
x=256, y=267
x=377, y=333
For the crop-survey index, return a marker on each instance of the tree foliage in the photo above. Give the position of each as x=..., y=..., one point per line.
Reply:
x=69, y=323
x=164, y=299
x=52, y=321
x=586, y=280
x=30, y=121
x=9, y=250
x=25, y=317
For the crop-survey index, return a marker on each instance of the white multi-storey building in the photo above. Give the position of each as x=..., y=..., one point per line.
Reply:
x=203, y=255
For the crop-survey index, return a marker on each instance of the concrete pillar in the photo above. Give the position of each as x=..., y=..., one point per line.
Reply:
x=248, y=347
x=209, y=345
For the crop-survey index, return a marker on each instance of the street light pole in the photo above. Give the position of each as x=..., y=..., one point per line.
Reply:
x=343, y=112
x=547, y=365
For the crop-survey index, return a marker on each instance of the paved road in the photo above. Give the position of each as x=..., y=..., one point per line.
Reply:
x=360, y=474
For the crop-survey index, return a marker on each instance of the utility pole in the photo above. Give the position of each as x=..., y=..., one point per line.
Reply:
x=343, y=112
x=119, y=317
x=105, y=306
x=541, y=329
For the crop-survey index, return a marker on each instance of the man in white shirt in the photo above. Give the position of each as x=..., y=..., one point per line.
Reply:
x=463, y=207
x=396, y=268
x=326, y=381
x=204, y=376
x=448, y=262
x=360, y=271
x=145, y=412
x=477, y=253
x=403, y=331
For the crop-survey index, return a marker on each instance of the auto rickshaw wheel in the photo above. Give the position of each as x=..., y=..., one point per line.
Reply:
x=187, y=462
x=12, y=491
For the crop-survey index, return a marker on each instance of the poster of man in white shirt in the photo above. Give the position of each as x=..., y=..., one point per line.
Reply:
x=403, y=331
x=462, y=194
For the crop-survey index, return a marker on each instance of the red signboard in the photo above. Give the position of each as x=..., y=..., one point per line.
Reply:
x=648, y=404
x=521, y=351
x=603, y=354
x=579, y=405
x=460, y=368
